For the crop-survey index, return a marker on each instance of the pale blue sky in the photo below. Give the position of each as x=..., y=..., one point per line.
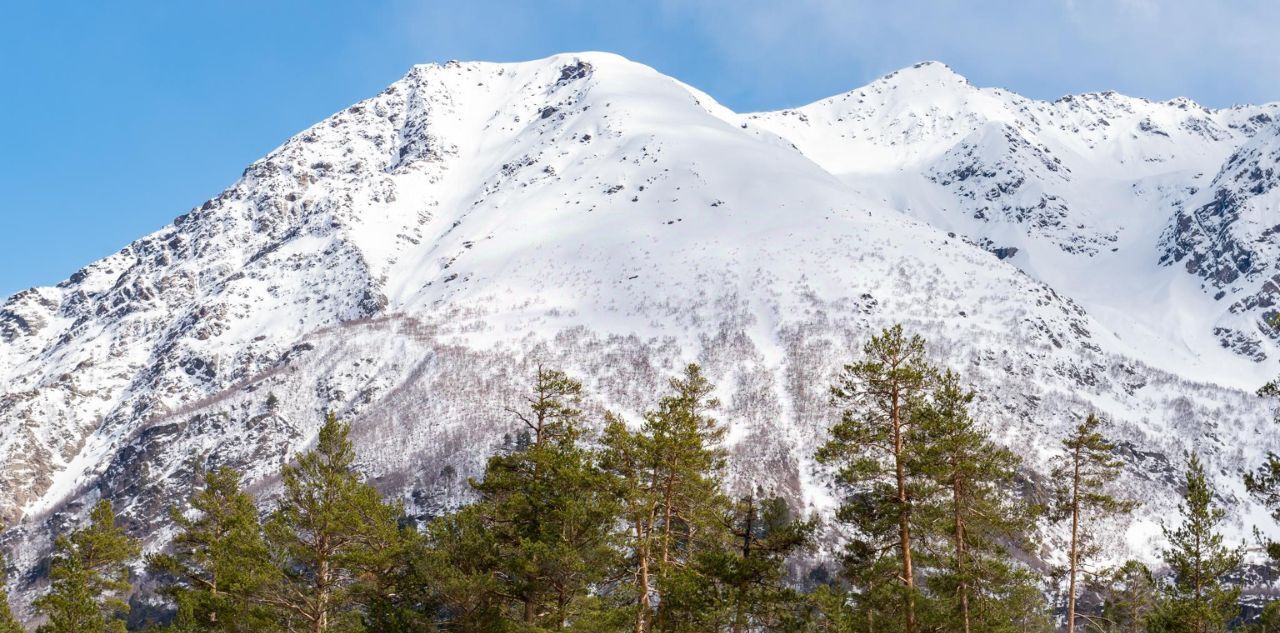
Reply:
x=117, y=116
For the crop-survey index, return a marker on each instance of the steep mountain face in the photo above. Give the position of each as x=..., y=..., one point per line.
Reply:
x=1226, y=233
x=1167, y=203
x=409, y=260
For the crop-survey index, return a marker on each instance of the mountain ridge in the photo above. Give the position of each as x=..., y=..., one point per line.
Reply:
x=405, y=261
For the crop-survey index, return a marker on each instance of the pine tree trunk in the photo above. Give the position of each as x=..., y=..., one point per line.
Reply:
x=213, y=592
x=321, y=622
x=562, y=607
x=667, y=502
x=324, y=583
x=642, y=552
x=739, y=624
x=960, y=553
x=1075, y=535
x=904, y=517
x=1200, y=623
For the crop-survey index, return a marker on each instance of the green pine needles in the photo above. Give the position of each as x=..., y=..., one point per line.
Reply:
x=930, y=499
x=218, y=560
x=90, y=577
x=1197, y=598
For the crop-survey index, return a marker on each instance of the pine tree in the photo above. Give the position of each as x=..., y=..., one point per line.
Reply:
x=687, y=461
x=527, y=554
x=1198, y=600
x=669, y=471
x=1128, y=595
x=1264, y=486
x=977, y=512
x=628, y=456
x=871, y=447
x=400, y=595
x=329, y=531
x=1083, y=475
x=1024, y=608
x=8, y=623
x=831, y=611
x=218, y=560
x=89, y=574
x=463, y=560
x=1268, y=621
x=741, y=585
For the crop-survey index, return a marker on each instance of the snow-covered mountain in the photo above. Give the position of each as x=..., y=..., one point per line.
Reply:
x=408, y=261
x=1155, y=217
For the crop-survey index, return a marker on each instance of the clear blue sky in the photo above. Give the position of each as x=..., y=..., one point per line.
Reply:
x=117, y=116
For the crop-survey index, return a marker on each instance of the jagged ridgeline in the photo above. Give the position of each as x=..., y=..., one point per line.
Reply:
x=409, y=261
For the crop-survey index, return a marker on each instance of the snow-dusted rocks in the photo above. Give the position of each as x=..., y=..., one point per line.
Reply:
x=407, y=261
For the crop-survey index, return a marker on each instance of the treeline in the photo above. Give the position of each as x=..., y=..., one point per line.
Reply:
x=628, y=528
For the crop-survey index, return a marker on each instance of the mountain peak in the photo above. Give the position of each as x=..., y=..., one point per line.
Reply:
x=416, y=253
x=926, y=73
x=597, y=59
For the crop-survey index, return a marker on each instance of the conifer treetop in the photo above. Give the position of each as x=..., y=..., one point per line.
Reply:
x=1198, y=598
x=90, y=576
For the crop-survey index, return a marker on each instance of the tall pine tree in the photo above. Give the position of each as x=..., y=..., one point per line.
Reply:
x=1198, y=598
x=1083, y=476
x=629, y=457
x=977, y=512
x=328, y=530
x=872, y=449
x=218, y=561
x=1264, y=485
x=528, y=554
x=1128, y=595
x=399, y=594
x=669, y=471
x=90, y=577
x=740, y=585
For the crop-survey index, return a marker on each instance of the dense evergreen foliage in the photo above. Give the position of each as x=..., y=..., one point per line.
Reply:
x=90, y=577
x=1197, y=599
x=977, y=515
x=606, y=525
x=527, y=555
x=875, y=452
x=218, y=560
x=1128, y=597
x=330, y=536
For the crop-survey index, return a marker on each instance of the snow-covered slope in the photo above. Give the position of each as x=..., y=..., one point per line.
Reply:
x=409, y=260
x=1109, y=199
